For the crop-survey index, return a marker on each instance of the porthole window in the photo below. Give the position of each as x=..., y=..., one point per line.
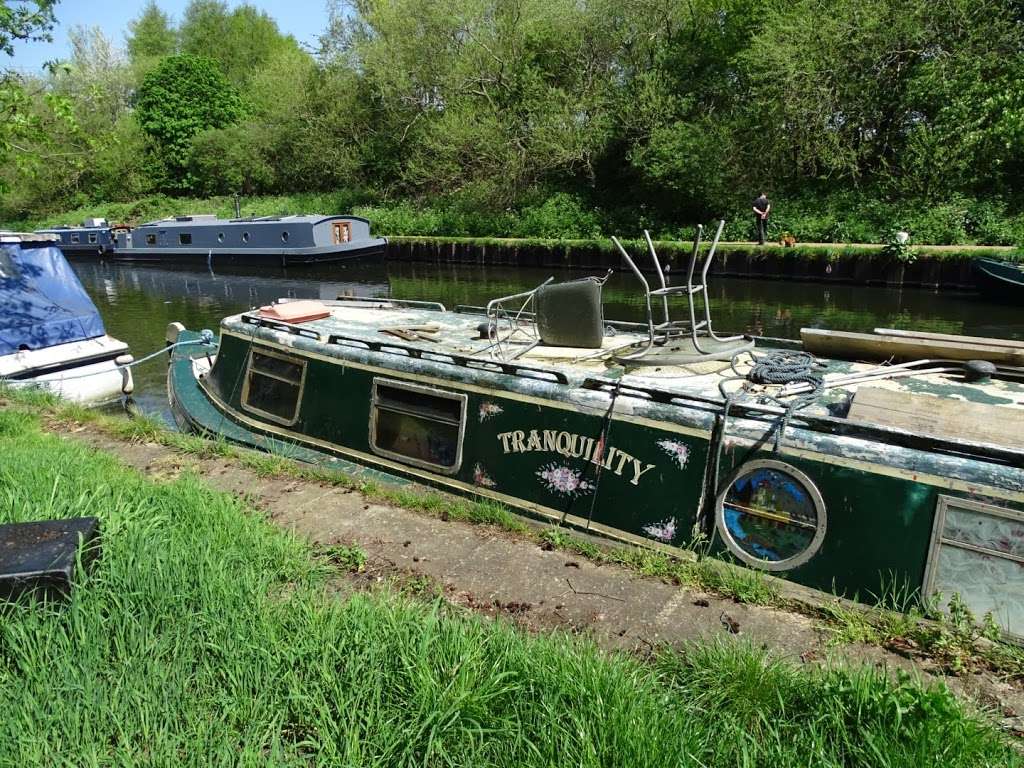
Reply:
x=220, y=237
x=245, y=237
x=284, y=236
x=771, y=516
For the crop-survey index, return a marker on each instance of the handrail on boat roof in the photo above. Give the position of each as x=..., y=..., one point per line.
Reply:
x=452, y=358
x=417, y=353
x=433, y=306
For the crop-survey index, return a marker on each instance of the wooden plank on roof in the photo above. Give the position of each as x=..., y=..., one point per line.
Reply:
x=868, y=346
x=982, y=340
x=939, y=416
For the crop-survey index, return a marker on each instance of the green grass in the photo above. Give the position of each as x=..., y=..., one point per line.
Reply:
x=203, y=636
x=956, y=640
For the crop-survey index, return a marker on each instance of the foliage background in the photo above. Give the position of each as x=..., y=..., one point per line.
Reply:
x=552, y=118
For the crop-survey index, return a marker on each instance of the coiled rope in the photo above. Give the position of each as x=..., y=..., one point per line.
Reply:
x=776, y=368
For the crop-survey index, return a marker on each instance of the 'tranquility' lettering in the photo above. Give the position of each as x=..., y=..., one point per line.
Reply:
x=574, y=446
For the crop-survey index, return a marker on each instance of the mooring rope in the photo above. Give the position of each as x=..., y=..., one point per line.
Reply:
x=776, y=368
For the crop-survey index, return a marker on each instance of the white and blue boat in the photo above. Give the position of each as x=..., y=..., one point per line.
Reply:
x=51, y=335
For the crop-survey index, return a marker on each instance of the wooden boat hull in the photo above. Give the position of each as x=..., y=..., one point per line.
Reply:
x=638, y=470
x=999, y=279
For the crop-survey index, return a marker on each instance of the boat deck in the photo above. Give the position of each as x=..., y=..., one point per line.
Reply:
x=931, y=396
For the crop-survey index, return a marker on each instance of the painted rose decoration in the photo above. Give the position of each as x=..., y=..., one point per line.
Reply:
x=489, y=409
x=679, y=451
x=664, y=531
x=481, y=478
x=565, y=480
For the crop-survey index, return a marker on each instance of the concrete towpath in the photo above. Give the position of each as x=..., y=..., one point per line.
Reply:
x=494, y=572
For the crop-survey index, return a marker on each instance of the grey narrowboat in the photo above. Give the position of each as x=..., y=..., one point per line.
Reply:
x=94, y=239
x=278, y=240
x=853, y=477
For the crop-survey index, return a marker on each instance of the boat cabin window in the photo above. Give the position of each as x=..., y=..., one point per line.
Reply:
x=342, y=232
x=93, y=237
x=185, y=238
x=284, y=236
x=771, y=516
x=977, y=552
x=245, y=237
x=76, y=238
x=418, y=425
x=150, y=239
x=273, y=385
x=220, y=237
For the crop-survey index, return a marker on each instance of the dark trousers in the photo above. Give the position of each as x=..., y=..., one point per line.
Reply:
x=762, y=229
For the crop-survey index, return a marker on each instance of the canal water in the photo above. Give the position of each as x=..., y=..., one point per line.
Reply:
x=137, y=302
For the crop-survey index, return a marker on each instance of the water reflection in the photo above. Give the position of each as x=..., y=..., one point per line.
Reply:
x=137, y=302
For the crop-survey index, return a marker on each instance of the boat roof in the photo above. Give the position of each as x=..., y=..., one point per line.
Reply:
x=210, y=219
x=925, y=389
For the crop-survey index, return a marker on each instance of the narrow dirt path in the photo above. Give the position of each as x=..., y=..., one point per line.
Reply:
x=494, y=572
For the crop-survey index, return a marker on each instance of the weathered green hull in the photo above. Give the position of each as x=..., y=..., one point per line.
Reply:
x=534, y=446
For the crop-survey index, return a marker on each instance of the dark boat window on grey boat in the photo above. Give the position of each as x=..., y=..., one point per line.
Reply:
x=93, y=237
x=418, y=425
x=273, y=386
x=284, y=236
x=185, y=238
x=150, y=239
x=76, y=238
x=771, y=516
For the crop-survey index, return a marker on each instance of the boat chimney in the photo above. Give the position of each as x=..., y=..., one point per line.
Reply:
x=238, y=207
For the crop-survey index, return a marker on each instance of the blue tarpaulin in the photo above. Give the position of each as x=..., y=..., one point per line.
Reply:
x=42, y=303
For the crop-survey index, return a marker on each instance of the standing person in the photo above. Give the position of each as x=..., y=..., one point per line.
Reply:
x=761, y=210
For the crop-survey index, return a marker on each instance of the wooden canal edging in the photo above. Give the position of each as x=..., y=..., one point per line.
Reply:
x=932, y=267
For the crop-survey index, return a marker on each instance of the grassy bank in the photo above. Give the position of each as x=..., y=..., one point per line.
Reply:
x=547, y=225
x=204, y=636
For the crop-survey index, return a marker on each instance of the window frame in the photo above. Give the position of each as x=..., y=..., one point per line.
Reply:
x=76, y=238
x=461, y=397
x=93, y=238
x=184, y=238
x=939, y=540
x=150, y=238
x=266, y=351
x=816, y=499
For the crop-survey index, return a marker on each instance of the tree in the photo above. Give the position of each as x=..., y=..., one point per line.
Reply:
x=29, y=20
x=242, y=40
x=183, y=96
x=151, y=35
x=25, y=21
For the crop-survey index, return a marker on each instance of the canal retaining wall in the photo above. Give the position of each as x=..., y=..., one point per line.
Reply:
x=930, y=267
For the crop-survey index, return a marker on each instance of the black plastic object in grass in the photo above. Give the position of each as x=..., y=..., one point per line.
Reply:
x=40, y=557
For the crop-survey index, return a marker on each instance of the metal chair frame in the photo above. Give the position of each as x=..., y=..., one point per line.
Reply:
x=660, y=333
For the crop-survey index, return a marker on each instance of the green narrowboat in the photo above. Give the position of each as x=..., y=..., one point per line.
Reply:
x=850, y=477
